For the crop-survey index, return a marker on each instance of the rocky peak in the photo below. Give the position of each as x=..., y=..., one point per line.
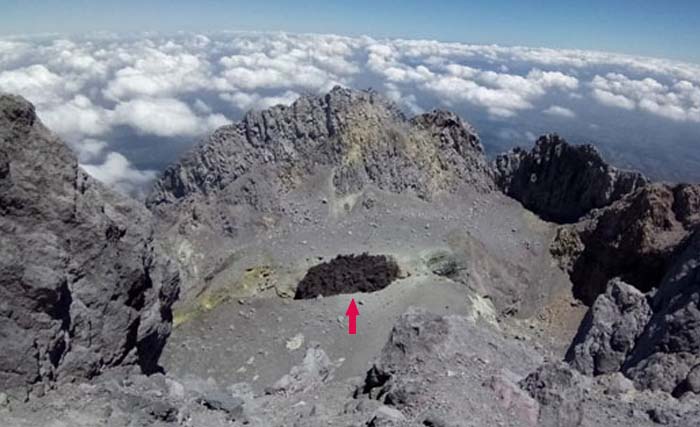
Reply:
x=562, y=182
x=83, y=286
x=451, y=128
x=352, y=131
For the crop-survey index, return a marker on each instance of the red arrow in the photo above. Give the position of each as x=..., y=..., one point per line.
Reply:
x=352, y=312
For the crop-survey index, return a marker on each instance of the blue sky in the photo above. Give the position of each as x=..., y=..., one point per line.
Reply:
x=648, y=27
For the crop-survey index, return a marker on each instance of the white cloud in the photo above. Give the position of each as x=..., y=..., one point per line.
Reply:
x=613, y=100
x=260, y=71
x=670, y=111
x=512, y=135
x=247, y=101
x=553, y=79
x=162, y=117
x=35, y=82
x=116, y=171
x=201, y=107
x=77, y=117
x=214, y=121
x=679, y=102
x=12, y=51
x=166, y=117
x=500, y=93
x=158, y=74
x=556, y=110
x=410, y=101
x=88, y=149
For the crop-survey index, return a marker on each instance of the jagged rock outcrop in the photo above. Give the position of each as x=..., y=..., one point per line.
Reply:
x=610, y=330
x=562, y=182
x=83, y=286
x=667, y=354
x=654, y=339
x=365, y=138
x=649, y=240
x=262, y=171
x=635, y=239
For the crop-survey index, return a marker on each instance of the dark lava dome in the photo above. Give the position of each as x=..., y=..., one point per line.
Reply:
x=348, y=274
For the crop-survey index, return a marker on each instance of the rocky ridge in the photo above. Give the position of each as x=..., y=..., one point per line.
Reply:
x=562, y=182
x=631, y=253
x=83, y=284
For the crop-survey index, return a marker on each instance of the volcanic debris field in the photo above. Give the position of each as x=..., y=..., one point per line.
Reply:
x=545, y=288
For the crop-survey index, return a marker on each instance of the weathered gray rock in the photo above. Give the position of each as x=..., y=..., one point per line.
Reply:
x=417, y=335
x=562, y=182
x=443, y=263
x=315, y=369
x=513, y=398
x=615, y=384
x=692, y=381
x=559, y=391
x=386, y=416
x=610, y=330
x=219, y=401
x=83, y=286
x=668, y=352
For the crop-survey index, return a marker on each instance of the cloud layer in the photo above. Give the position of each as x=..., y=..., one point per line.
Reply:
x=96, y=91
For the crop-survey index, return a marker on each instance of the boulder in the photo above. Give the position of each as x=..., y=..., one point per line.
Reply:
x=386, y=416
x=559, y=391
x=654, y=339
x=610, y=329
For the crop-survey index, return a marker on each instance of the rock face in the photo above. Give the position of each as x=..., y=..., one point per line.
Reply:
x=610, y=330
x=562, y=182
x=267, y=169
x=667, y=355
x=635, y=239
x=655, y=343
x=82, y=284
